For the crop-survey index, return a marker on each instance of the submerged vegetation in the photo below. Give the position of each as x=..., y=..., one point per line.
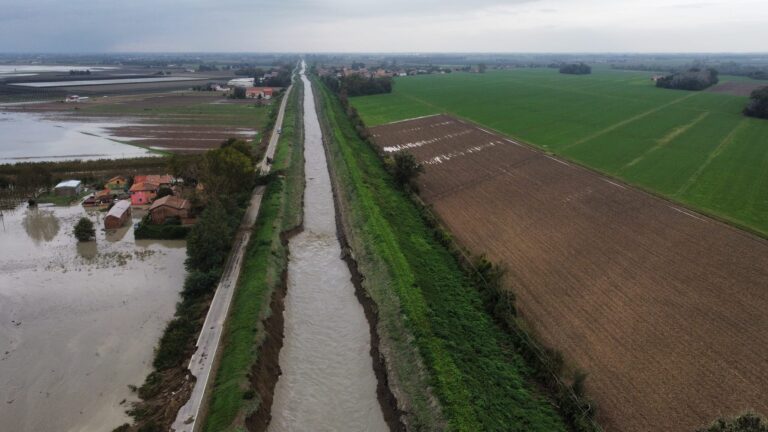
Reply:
x=412, y=276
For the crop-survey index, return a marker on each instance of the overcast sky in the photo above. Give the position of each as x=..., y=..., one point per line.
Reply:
x=384, y=25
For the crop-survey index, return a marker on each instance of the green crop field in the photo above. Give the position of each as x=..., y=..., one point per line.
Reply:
x=692, y=147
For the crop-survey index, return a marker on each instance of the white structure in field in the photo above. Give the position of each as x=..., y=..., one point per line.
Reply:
x=240, y=82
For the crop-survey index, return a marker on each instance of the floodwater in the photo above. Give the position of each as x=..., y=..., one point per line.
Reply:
x=78, y=321
x=327, y=381
x=28, y=137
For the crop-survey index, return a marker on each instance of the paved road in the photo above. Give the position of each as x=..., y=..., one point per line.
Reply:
x=201, y=364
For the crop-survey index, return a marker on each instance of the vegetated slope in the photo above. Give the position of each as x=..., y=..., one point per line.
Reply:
x=479, y=380
x=694, y=147
x=664, y=308
x=235, y=394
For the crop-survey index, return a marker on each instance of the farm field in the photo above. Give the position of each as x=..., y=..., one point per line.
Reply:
x=426, y=302
x=692, y=147
x=662, y=307
x=191, y=122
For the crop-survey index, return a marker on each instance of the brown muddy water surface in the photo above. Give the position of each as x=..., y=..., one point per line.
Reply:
x=327, y=381
x=78, y=321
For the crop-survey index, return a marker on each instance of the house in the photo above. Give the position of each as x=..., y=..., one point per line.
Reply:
x=116, y=183
x=105, y=196
x=164, y=180
x=259, y=92
x=118, y=215
x=68, y=188
x=143, y=193
x=167, y=207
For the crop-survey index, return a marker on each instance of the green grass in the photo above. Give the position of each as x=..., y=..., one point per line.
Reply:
x=61, y=200
x=471, y=365
x=693, y=147
x=263, y=264
x=194, y=113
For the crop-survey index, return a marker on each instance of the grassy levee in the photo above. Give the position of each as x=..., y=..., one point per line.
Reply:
x=233, y=397
x=426, y=301
x=695, y=148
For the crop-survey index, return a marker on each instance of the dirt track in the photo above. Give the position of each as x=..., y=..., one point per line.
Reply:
x=664, y=308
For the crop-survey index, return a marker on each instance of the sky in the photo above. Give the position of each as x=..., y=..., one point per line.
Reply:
x=383, y=26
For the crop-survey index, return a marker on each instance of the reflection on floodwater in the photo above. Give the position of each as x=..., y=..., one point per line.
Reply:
x=78, y=320
x=41, y=225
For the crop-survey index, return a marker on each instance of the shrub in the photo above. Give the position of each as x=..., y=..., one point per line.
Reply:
x=84, y=230
x=198, y=283
x=758, y=104
x=747, y=422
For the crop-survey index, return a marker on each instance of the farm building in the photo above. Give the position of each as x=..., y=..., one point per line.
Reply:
x=143, y=193
x=68, y=188
x=259, y=92
x=118, y=215
x=159, y=180
x=117, y=182
x=169, y=206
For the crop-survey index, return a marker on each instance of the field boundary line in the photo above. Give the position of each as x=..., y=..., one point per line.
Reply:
x=666, y=139
x=714, y=154
x=626, y=122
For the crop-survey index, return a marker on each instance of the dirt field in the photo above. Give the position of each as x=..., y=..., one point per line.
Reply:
x=663, y=307
x=738, y=88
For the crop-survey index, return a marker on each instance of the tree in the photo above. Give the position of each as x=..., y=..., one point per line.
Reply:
x=575, y=69
x=227, y=171
x=406, y=168
x=692, y=79
x=758, y=104
x=481, y=68
x=747, y=422
x=163, y=191
x=208, y=241
x=84, y=230
x=240, y=145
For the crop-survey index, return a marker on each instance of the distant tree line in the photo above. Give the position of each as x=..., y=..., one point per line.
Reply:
x=758, y=104
x=79, y=72
x=356, y=85
x=692, y=79
x=575, y=69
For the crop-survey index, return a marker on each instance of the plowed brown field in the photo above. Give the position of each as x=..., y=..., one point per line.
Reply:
x=666, y=309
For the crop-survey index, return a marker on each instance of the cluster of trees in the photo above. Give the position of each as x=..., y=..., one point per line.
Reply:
x=758, y=104
x=79, y=72
x=692, y=79
x=575, y=69
x=357, y=85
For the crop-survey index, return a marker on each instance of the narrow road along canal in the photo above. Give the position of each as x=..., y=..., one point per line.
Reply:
x=327, y=381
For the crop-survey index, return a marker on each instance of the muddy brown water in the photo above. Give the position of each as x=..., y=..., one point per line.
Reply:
x=327, y=381
x=78, y=321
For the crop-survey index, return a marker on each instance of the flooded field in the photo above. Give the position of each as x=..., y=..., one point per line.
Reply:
x=78, y=322
x=327, y=381
x=27, y=137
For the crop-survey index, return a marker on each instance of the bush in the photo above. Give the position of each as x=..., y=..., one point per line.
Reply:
x=576, y=69
x=758, y=104
x=198, y=283
x=693, y=79
x=405, y=168
x=747, y=422
x=163, y=191
x=84, y=230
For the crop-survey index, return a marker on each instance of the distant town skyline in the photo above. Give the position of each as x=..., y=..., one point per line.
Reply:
x=656, y=26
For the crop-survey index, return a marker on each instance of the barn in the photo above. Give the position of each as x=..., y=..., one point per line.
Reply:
x=118, y=215
x=68, y=188
x=167, y=207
